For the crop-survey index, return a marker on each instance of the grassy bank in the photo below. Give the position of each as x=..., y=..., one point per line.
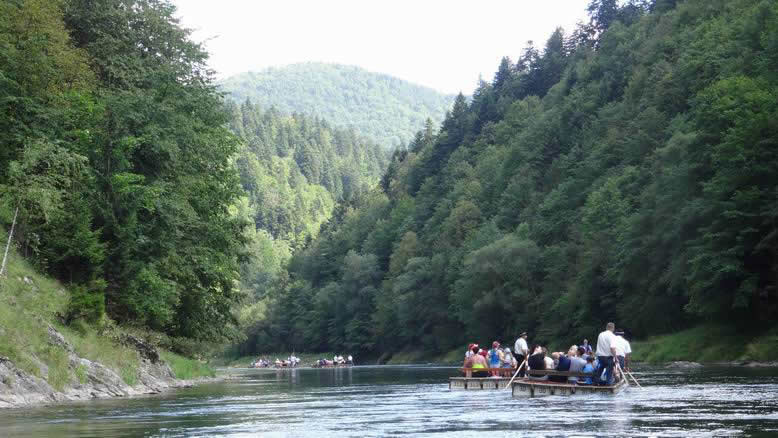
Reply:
x=708, y=343
x=30, y=302
x=186, y=368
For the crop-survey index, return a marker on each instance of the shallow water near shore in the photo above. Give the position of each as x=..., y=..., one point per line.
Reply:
x=416, y=401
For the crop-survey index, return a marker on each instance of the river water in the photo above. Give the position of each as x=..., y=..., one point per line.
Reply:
x=416, y=401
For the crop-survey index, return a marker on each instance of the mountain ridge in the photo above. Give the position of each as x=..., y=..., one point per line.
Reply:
x=381, y=107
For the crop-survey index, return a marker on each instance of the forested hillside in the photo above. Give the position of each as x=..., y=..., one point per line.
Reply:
x=126, y=165
x=115, y=151
x=385, y=109
x=294, y=170
x=626, y=171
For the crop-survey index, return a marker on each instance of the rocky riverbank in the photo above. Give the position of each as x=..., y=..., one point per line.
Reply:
x=94, y=380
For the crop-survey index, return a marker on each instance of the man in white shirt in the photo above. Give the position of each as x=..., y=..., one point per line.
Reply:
x=606, y=353
x=623, y=350
x=521, y=350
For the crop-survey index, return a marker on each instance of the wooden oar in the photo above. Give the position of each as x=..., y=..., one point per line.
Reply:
x=516, y=374
x=623, y=375
x=635, y=380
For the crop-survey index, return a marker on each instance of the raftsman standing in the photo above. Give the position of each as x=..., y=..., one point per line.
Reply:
x=623, y=350
x=606, y=352
x=521, y=350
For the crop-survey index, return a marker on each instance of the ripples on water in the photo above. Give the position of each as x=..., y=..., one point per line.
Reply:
x=416, y=401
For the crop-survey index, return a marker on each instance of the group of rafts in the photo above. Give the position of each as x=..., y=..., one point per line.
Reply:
x=290, y=362
x=533, y=383
x=294, y=362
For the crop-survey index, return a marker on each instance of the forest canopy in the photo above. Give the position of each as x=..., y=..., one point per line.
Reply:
x=382, y=108
x=624, y=171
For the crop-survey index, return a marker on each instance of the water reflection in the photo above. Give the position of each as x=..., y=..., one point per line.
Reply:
x=380, y=401
x=290, y=377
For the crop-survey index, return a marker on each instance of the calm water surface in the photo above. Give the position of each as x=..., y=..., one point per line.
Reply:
x=416, y=401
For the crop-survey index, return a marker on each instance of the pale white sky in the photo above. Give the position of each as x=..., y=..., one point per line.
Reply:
x=443, y=44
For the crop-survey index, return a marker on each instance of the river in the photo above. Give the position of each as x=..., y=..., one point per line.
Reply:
x=416, y=401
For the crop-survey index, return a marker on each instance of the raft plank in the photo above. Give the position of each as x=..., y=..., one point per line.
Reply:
x=503, y=372
x=535, y=388
x=478, y=383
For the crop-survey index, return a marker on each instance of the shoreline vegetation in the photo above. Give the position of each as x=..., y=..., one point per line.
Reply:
x=43, y=360
x=709, y=343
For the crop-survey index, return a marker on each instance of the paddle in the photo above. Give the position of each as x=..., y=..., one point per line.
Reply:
x=516, y=374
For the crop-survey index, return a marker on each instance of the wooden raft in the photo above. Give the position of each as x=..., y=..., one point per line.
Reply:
x=527, y=387
x=470, y=382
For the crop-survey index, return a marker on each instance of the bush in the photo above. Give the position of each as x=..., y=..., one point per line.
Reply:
x=87, y=303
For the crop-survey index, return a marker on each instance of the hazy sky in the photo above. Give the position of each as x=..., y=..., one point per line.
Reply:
x=443, y=44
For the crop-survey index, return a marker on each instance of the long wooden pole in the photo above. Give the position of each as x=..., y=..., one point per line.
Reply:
x=635, y=380
x=8, y=244
x=516, y=373
x=623, y=374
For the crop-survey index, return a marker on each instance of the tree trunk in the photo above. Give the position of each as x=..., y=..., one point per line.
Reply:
x=8, y=244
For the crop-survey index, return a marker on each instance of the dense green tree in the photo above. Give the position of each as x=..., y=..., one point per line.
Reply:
x=114, y=148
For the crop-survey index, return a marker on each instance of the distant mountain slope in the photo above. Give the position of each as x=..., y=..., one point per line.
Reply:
x=383, y=108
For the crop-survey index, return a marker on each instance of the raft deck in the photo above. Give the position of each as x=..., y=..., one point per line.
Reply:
x=527, y=387
x=470, y=382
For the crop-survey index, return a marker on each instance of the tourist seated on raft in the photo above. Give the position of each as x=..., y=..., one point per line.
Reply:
x=495, y=358
x=469, y=351
x=468, y=362
x=587, y=349
x=477, y=362
x=569, y=362
x=563, y=364
x=536, y=361
x=550, y=363
x=590, y=367
x=577, y=362
x=508, y=361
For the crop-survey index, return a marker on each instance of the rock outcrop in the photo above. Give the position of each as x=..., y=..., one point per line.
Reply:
x=94, y=380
